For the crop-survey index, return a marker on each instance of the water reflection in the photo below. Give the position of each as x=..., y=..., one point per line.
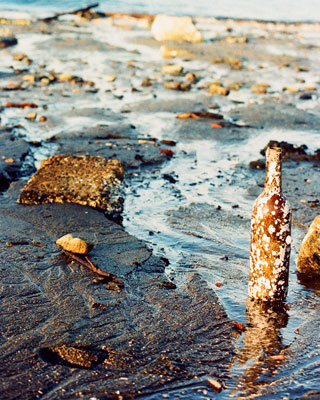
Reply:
x=261, y=352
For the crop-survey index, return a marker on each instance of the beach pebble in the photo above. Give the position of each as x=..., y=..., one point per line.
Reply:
x=172, y=69
x=110, y=78
x=29, y=78
x=167, y=27
x=215, y=385
x=290, y=89
x=259, y=88
x=308, y=260
x=31, y=116
x=74, y=244
x=146, y=82
x=217, y=88
x=235, y=39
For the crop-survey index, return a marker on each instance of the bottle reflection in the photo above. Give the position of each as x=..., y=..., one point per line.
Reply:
x=262, y=352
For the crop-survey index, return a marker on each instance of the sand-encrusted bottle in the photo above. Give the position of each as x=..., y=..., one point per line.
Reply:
x=270, y=236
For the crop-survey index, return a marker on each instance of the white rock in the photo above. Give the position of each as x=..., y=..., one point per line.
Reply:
x=167, y=27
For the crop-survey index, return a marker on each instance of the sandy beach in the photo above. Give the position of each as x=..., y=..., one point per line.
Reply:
x=187, y=122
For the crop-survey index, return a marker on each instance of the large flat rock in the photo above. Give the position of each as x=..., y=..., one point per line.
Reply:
x=64, y=334
x=85, y=180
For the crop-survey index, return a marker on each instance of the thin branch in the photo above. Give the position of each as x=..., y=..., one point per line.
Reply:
x=88, y=264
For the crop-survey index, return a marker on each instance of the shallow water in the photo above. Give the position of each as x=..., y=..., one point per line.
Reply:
x=193, y=240
x=286, y=10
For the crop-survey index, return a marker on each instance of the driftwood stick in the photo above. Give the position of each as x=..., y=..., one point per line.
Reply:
x=57, y=15
x=88, y=264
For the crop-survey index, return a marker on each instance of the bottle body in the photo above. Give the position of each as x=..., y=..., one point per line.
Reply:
x=270, y=237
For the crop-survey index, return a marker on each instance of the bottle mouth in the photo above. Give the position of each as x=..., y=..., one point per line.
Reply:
x=275, y=148
x=273, y=152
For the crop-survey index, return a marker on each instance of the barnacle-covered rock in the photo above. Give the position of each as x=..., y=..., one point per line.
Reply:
x=87, y=180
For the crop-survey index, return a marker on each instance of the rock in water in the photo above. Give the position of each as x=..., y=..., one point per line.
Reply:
x=87, y=180
x=308, y=260
x=74, y=244
x=167, y=27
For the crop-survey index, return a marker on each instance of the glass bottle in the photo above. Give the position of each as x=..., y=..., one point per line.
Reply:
x=270, y=236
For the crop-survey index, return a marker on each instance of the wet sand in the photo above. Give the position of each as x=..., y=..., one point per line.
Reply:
x=97, y=89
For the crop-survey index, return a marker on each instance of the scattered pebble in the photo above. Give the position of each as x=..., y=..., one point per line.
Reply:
x=217, y=88
x=172, y=69
x=215, y=385
x=31, y=116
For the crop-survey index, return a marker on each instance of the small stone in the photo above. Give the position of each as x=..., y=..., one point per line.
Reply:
x=110, y=78
x=167, y=27
x=65, y=77
x=235, y=86
x=235, y=39
x=74, y=244
x=168, y=285
x=184, y=87
x=192, y=77
x=290, y=89
x=146, y=82
x=308, y=260
x=19, y=56
x=301, y=69
x=74, y=355
x=215, y=385
x=310, y=88
x=257, y=164
x=45, y=81
x=31, y=116
x=29, y=78
x=258, y=88
x=217, y=88
x=172, y=69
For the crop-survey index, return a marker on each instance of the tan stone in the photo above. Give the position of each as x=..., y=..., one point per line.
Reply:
x=74, y=244
x=110, y=78
x=87, y=180
x=65, y=77
x=291, y=89
x=217, y=88
x=308, y=260
x=172, y=69
x=29, y=78
x=31, y=116
x=258, y=88
x=235, y=39
x=167, y=27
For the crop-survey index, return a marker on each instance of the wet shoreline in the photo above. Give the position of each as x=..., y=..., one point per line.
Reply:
x=191, y=202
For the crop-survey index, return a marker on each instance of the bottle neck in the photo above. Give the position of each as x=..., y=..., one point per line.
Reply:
x=273, y=182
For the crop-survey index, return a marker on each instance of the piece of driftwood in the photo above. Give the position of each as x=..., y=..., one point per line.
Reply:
x=88, y=264
x=57, y=15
